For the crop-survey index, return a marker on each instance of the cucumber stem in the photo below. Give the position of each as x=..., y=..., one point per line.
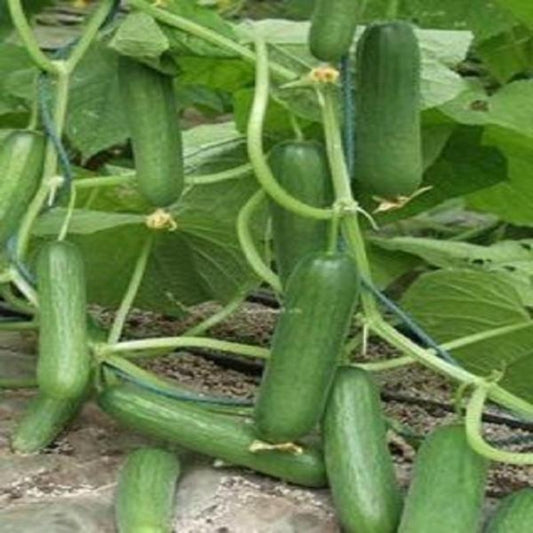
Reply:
x=247, y=242
x=390, y=364
x=187, y=342
x=24, y=287
x=474, y=429
x=68, y=215
x=131, y=291
x=255, y=143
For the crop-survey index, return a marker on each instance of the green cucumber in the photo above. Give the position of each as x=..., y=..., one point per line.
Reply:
x=359, y=465
x=388, y=134
x=21, y=166
x=333, y=25
x=448, y=486
x=146, y=489
x=301, y=168
x=43, y=420
x=212, y=434
x=64, y=364
x=152, y=116
x=514, y=514
x=306, y=347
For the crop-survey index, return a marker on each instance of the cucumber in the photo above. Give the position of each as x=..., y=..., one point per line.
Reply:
x=306, y=347
x=43, y=420
x=152, y=116
x=216, y=435
x=333, y=25
x=21, y=166
x=146, y=491
x=448, y=485
x=358, y=462
x=301, y=168
x=64, y=364
x=389, y=148
x=514, y=514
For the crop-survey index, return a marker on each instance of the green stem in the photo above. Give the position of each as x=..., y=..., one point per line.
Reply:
x=392, y=9
x=225, y=175
x=474, y=430
x=24, y=287
x=189, y=342
x=390, y=364
x=18, y=383
x=209, y=35
x=18, y=304
x=354, y=343
x=50, y=164
x=104, y=181
x=89, y=33
x=333, y=240
x=68, y=216
x=255, y=144
x=298, y=133
x=28, y=38
x=18, y=326
x=131, y=292
x=217, y=317
x=247, y=242
x=485, y=335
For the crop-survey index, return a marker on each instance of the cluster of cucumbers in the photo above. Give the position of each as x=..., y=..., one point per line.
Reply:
x=317, y=421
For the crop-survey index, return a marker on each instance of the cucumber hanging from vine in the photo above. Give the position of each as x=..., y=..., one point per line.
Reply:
x=21, y=167
x=307, y=345
x=152, y=114
x=64, y=365
x=301, y=168
x=388, y=134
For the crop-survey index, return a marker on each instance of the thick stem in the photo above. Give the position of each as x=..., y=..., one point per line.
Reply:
x=391, y=364
x=210, y=36
x=255, y=144
x=247, y=242
x=225, y=175
x=28, y=38
x=188, y=342
x=131, y=292
x=474, y=431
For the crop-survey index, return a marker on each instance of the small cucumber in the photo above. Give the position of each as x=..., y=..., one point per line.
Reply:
x=21, y=166
x=388, y=133
x=514, y=514
x=216, y=435
x=358, y=462
x=448, y=485
x=152, y=115
x=301, y=168
x=43, y=420
x=145, y=494
x=333, y=25
x=64, y=364
x=308, y=340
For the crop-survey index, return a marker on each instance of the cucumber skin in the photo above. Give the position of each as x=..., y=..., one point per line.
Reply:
x=211, y=434
x=358, y=462
x=21, y=166
x=64, y=364
x=308, y=341
x=388, y=129
x=145, y=493
x=333, y=26
x=42, y=421
x=514, y=513
x=301, y=168
x=155, y=132
x=448, y=485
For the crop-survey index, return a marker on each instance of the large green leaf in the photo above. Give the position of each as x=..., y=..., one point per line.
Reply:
x=521, y=9
x=451, y=304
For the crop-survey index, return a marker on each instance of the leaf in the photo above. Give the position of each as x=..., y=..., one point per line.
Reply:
x=12, y=59
x=521, y=9
x=512, y=260
x=387, y=267
x=450, y=304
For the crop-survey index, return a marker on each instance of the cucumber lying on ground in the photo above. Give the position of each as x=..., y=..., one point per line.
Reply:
x=145, y=494
x=42, y=421
x=514, y=514
x=64, y=365
x=216, y=435
x=308, y=340
x=358, y=462
x=21, y=166
x=333, y=25
x=448, y=485
x=155, y=132
x=389, y=147
x=301, y=168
